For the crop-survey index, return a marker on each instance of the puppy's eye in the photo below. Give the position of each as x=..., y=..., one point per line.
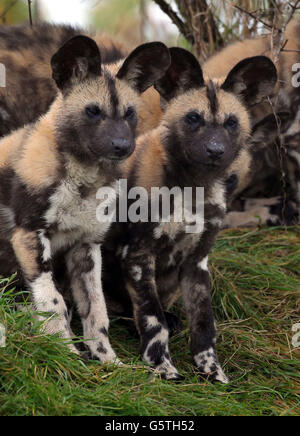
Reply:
x=93, y=112
x=231, y=123
x=130, y=113
x=194, y=119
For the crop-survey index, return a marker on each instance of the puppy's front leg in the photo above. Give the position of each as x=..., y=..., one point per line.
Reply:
x=149, y=316
x=85, y=268
x=33, y=252
x=195, y=288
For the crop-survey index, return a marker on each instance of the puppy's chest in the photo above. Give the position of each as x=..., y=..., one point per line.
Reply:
x=72, y=215
x=174, y=241
x=173, y=244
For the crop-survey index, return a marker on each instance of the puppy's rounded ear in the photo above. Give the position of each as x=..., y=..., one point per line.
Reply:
x=183, y=74
x=77, y=60
x=252, y=79
x=145, y=65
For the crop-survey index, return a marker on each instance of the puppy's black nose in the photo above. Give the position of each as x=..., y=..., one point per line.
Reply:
x=121, y=146
x=215, y=150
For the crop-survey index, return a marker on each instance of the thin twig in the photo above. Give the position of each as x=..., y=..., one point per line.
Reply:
x=284, y=45
x=276, y=5
x=166, y=8
x=7, y=9
x=294, y=8
x=278, y=41
x=254, y=17
x=281, y=31
x=29, y=11
x=290, y=51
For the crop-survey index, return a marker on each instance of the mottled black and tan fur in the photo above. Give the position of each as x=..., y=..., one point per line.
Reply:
x=282, y=159
x=259, y=190
x=50, y=173
x=204, y=129
x=26, y=53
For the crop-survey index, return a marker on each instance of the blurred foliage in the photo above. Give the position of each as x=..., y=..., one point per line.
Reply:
x=236, y=20
x=134, y=21
x=119, y=17
x=204, y=25
x=200, y=25
x=208, y=25
x=13, y=11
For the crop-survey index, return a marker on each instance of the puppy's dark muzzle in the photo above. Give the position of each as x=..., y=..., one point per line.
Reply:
x=215, y=151
x=121, y=148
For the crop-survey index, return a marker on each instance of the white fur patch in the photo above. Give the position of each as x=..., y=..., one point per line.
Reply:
x=183, y=220
x=217, y=196
x=46, y=244
x=166, y=367
x=203, y=264
x=217, y=222
x=4, y=115
x=168, y=370
x=209, y=357
x=171, y=261
x=48, y=299
x=207, y=360
x=137, y=273
x=163, y=337
x=125, y=252
x=169, y=228
x=44, y=291
x=157, y=232
x=76, y=216
x=151, y=321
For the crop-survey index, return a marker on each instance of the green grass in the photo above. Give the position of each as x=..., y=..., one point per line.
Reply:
x=256, y=288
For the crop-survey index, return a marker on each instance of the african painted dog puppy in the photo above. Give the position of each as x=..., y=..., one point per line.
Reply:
x=286, y=97
x=26, y=53
x=50, y=173
x=285, y=94
x=203, y=130
x=255, y=189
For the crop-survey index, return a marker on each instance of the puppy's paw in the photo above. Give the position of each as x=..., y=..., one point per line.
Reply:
x=209, y=367
x=283, y=213
x=168, y=372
